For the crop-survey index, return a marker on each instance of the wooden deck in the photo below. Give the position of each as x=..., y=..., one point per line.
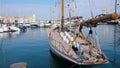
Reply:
x=61, y=45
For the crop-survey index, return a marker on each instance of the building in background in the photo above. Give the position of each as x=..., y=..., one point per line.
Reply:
x=33, y=18
x=18, y=19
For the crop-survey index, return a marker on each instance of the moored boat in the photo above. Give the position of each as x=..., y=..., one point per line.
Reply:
x=80, y=51
x=75, y=47
x=5, y=28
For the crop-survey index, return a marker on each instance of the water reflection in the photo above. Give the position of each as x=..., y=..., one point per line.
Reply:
x=115, y=61
x=4, y=38
x=106, y=31
x=112, y=31
x=118, y=35
x=110, y=43
x=42, y=31
x=8, y=35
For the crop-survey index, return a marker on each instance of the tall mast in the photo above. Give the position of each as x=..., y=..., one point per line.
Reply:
x=115, y=6
x=62, y=21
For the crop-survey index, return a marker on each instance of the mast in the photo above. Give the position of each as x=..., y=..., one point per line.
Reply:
x=62, y=21
x=115, y=6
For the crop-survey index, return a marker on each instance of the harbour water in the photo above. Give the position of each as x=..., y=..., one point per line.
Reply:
x=33, y=47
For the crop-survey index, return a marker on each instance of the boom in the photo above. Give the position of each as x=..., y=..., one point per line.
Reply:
x=99, y=19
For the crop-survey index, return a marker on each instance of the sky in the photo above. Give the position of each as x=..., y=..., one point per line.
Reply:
x=50, y=9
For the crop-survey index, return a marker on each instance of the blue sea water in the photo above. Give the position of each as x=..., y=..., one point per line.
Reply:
x=33, y=47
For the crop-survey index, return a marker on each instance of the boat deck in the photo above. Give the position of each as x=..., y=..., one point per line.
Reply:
x=58, y=43
x=62, y=46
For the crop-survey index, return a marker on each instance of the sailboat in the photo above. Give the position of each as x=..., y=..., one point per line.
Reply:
x=75, y=47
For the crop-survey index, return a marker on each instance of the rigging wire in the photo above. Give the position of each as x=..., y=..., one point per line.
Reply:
x=94, y=38
x=91, y=9
x=115, y=6
x=0, y=8
x=97, y=40
x=90, y=35
x=75, y=6
x=58, y=6
x=69, y=7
